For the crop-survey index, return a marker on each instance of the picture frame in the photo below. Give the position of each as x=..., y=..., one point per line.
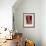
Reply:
x=29, y=20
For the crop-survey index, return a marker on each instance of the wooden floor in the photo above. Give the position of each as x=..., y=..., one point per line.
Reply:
x=9, y=43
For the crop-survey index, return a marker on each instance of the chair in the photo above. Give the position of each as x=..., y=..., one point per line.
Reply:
x=18, y=39
x=29, y=43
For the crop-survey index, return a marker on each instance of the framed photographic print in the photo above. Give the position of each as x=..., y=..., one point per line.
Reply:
x=29, y=20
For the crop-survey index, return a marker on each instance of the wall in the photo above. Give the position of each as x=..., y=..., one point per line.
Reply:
x=43, y=22
x=6, y=13
x=31, y=6
x=6, y=16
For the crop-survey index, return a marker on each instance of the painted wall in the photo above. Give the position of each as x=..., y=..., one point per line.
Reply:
x=6, y=13
x=6, y=16
x=43, y=22
x=29, y=6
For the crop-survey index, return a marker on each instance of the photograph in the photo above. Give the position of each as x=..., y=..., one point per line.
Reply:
x=29, y=19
